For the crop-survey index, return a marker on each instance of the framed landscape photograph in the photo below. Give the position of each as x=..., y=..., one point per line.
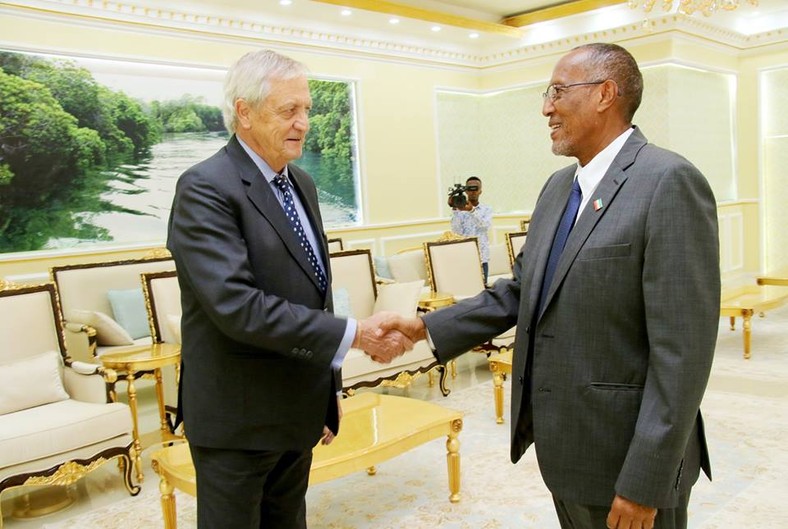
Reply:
x=91, y=149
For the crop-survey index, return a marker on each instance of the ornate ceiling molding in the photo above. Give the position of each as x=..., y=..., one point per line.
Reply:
x=138, y=17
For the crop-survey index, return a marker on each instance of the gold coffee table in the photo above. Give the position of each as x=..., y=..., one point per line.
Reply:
x=748, y=301
x=374, y=428
x=144, y=358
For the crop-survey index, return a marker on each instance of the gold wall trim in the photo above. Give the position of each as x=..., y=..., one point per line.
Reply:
x=558, y=11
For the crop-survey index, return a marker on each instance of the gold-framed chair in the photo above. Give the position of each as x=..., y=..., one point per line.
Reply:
x=454, y=268
x=357, y=294
x=335, y=245
x=524, y=224
x=514, y=244
x=163, y=304
x=57, y=422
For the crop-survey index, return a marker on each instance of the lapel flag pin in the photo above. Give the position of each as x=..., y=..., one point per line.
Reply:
x=598, y=204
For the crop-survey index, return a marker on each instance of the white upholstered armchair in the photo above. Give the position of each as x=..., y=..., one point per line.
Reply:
x=356, y=294
x=56, y=421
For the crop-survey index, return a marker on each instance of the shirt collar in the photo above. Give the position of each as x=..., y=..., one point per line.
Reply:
x=591, y=174
x=268, y=173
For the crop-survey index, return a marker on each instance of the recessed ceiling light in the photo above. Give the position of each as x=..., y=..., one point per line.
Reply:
x=435, y=28
x=394, y=21
x=285, y=2
x=346, y=12
x=473, y=36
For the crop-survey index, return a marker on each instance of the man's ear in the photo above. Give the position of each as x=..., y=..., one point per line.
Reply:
x=243, y=110
x=608, y=94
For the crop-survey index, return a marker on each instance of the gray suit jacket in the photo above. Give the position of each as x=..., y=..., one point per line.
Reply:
x=258, y=335
x=608, y=380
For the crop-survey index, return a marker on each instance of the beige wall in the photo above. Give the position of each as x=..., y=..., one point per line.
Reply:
x=402, y=188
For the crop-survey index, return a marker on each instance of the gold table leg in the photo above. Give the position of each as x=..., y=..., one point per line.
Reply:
x=135, y=425
x=168, y=508
x=747, y=329
x=165, y=426
x=498, y=393
x=453, y=460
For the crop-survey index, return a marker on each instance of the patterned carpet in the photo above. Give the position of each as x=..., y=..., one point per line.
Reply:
x=747, y=423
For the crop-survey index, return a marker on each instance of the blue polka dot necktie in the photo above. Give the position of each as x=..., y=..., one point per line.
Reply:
x=292, y=215
x=561, y=235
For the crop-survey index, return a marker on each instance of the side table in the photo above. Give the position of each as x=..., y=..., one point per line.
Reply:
x=144, y=358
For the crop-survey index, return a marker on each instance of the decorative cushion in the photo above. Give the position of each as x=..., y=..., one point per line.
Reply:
x=128, y=306
x=342, y=306
x=108, y=332
x=382, y=268
x=402, y=298
x=408, y=266
x=31, y=382
x=174, y=321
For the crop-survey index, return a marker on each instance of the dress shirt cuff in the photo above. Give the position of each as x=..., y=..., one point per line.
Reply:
x=429, y=339
x=344, y=345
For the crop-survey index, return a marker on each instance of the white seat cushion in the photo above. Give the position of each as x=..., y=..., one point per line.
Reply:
x=59, y=427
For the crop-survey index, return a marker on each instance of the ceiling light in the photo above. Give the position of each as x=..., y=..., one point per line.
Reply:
x=346, y=12
x=285, y=2
x=473, y=36
x=394, y=21
x=435, y=28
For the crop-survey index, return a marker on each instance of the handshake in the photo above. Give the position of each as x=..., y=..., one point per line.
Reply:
x=386, y=335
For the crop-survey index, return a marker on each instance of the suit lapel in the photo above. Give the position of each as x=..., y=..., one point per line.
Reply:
x=262, y=196
x=605, y=193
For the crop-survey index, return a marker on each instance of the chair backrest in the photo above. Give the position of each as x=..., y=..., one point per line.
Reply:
x=352, y=270
x=514, y=243
x=524, y=224
x=408, y=265
x=163, y=303
x=85, y=286
x=335, y=245
x=455, y=266
x=30, y=322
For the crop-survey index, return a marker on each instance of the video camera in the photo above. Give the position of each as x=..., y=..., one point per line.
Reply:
x=457, y=197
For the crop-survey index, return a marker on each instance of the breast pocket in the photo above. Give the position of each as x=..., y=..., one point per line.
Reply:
x=605, y=252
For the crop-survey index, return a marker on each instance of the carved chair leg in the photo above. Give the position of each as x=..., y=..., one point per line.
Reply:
x=498, y=394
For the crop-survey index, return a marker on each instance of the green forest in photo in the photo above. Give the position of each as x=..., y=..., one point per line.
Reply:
x=67, y=143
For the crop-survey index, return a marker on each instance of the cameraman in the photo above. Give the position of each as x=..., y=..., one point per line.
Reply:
x=471, y=219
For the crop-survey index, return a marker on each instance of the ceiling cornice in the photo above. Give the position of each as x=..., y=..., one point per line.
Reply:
x=136, y=17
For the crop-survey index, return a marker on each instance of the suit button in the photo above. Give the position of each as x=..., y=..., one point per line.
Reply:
x=295, y=351
x=521, y=380
x=544, y=390
x=528, y=329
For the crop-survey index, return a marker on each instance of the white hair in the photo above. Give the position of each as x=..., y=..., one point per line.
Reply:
x=250, y=79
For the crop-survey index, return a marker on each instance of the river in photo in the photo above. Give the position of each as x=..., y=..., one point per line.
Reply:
x=147, y=189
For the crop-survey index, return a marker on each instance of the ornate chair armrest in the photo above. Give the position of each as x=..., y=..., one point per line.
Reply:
x=81, y=341
x=89, y=382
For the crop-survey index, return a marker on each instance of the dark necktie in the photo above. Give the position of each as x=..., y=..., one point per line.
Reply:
x=561, y=235
x=292, y=215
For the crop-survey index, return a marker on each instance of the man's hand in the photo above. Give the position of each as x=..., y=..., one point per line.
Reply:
x=328, y=435
x=413, y=328
x=381, y=347
x=626, y=514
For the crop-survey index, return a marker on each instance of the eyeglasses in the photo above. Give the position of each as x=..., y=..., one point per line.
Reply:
x=554, y=91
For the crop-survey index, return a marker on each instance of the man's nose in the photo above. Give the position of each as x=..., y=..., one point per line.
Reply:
x=547, y=106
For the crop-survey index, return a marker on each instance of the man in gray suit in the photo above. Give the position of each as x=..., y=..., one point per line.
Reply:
x=616, y=329
x=261, y=348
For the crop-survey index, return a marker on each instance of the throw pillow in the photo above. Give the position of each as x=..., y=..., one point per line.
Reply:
x=382, y=268
x=342, y=306
x=402, y=298
x=407, y=266
x=108, y=332
x=128, y=306
x=32, y=381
